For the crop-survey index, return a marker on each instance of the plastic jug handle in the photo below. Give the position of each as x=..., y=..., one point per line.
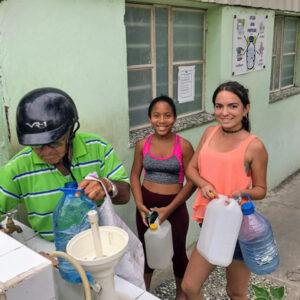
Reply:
x=244, y=195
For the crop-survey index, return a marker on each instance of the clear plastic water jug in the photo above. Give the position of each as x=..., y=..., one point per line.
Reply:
x=257, y=242
x=220, y=230
x=159, y=245
x=70, y=218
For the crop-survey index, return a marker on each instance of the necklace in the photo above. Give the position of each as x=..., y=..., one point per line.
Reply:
x=232, y=131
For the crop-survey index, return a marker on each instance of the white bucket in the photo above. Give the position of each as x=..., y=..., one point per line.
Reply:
x=159, y=245
x=220, y=230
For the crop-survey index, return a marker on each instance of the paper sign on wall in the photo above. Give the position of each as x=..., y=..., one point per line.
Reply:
x=186, y=84
x=249, y=43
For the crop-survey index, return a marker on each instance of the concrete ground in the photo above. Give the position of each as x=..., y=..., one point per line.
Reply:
x=282, y=208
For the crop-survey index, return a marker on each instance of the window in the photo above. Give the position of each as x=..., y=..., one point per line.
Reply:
x=160, y=39
x=284, y=53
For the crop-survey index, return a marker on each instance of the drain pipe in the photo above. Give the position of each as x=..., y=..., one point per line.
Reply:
x=77, y=266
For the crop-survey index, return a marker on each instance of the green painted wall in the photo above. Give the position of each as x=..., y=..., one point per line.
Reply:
x=80, y=47
x=4, y=135
x=276, y=124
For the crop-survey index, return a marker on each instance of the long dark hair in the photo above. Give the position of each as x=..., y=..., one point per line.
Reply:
x=162, y=98
x=241, y=92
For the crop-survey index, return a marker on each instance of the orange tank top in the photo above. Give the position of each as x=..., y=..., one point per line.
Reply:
x=224, y=170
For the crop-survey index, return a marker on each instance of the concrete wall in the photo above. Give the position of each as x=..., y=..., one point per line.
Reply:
x=80, y=47
x=4, y=134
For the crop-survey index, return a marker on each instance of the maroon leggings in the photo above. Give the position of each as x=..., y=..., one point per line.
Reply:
x=179, y=220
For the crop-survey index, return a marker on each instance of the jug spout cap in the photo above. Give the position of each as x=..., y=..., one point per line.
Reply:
x=248, y=208
x=153, y=226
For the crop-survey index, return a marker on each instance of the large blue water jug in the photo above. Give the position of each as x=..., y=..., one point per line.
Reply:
x=257, y=241
x=70, y=218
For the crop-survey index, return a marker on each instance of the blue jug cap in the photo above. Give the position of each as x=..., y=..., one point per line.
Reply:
x=72, y=184
x=248, y=208
x=70, y=188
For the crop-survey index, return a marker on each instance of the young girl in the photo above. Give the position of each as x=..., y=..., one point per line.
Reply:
x=164, y=156
x=229, y=161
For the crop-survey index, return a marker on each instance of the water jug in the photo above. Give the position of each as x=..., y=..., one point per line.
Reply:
x=159, y=245
x=220, y=229
x=70, y=218
x=257, y=242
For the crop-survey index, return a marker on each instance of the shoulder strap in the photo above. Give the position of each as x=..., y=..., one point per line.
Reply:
x=211, y=135
x=177, y=147
x=247, y=141
x=147, y=144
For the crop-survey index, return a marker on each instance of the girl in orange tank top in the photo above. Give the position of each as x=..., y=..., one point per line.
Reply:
x=226, y=170
x=229, y=161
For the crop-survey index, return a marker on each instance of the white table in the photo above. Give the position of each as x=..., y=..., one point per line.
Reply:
x=18, y=255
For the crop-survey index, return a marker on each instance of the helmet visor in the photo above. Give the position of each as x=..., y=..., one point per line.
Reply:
x=42, y=138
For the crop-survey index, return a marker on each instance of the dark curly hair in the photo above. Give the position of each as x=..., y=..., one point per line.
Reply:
x=162, y=98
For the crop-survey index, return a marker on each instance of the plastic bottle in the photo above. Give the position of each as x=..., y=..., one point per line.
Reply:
x=220, y=230
x=159, y=245
x=250, y=53
x=257, y=242
x=70, y=218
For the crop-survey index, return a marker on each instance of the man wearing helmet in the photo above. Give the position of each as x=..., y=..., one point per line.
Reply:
x=55, y=153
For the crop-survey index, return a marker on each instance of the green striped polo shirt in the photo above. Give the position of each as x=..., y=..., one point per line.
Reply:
x=28, y=179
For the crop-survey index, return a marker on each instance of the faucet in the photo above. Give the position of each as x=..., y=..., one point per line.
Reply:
x=10, y=225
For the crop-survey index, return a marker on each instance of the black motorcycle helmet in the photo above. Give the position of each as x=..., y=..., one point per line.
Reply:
x=44, y=115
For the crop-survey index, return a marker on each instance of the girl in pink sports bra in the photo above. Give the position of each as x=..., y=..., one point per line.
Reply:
x=229, y=161
x=164, y=156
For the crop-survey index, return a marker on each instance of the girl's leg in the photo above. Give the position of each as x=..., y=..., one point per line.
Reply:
x=147, y=279
x=237, y=275
x=195, y=275
x=179, y=293
x=141, y=228
x=179, y=220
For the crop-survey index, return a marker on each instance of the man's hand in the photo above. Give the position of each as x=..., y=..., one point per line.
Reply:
x=93, y=189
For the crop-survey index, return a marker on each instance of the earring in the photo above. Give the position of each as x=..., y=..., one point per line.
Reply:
x=245, y=119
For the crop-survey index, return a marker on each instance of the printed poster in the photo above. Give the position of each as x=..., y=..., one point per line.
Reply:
x=249, y=43
x=186, y=84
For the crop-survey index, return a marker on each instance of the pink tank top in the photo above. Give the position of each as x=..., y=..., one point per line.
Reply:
x=224, y=170
x=168, y=170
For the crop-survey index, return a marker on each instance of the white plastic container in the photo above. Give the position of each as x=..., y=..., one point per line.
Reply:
x=220, y=230
x=159, y=245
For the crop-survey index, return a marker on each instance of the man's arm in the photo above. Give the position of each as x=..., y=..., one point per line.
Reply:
x=92, y=188
x=112, y=175
x=9, y=193
x=123, y=195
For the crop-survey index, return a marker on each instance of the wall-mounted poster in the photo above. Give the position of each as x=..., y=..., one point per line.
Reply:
x=249, y=43
x=186, y=84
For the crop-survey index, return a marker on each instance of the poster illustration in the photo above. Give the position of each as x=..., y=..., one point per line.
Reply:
x=249, y=43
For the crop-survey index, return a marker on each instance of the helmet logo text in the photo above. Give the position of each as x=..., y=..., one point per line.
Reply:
x=37, y=124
